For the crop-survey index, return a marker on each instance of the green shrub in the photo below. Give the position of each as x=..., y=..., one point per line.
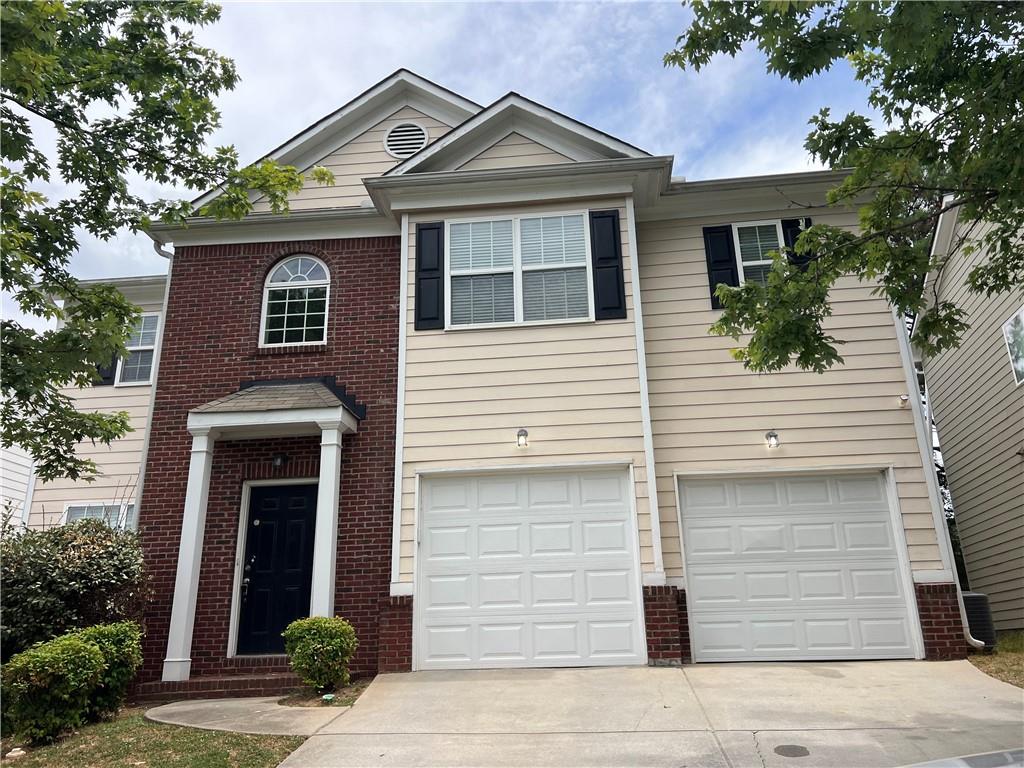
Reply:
x=46, y=688
x=319, y=649
x=121, y=646
x=67, y=577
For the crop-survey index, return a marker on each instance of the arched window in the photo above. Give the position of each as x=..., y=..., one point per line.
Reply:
x=295, y=302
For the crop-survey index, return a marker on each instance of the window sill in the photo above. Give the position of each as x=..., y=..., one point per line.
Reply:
x=291, y=349
x=530, y=324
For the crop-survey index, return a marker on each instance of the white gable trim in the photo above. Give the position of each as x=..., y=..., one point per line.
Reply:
x=403, y=88
x=513, y=112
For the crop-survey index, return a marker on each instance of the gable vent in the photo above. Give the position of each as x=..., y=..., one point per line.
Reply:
x=405, y=140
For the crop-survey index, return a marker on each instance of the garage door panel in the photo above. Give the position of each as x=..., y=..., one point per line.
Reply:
x=798, y=567
x=528, y=570
x=823, y=634
x=793, y=585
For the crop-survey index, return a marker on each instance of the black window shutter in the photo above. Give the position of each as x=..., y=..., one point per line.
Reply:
x=429, y=276
x=720, y=253
x=606, y=252
x=791, y=229
x=107, y=373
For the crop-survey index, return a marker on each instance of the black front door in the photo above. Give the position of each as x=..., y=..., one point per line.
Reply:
x=278, y=567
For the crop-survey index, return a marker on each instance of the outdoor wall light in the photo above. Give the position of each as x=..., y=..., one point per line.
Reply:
x=904, y=401
x=521, y=438
x=279, y=460
x=773, y=439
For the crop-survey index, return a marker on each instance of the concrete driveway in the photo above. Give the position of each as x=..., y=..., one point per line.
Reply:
x=848, y=714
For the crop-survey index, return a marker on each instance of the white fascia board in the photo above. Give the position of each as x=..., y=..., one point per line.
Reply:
x=442, y=104
x=945, y=229
x=254, y=423
x=513, y=104
x=319, y=224
x=511, y=185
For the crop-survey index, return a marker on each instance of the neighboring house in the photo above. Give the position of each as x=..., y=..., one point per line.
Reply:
x=466, y=398
x=15, y=479
x=976, y=394
x=125, y=385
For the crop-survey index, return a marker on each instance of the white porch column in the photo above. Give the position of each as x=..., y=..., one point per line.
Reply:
x=178, y=661
x=325, y=538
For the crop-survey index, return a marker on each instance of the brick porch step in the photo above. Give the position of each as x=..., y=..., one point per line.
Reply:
x=217, y=687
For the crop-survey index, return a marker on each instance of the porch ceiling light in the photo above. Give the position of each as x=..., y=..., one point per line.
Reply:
x=522, y=438
x=772, y=437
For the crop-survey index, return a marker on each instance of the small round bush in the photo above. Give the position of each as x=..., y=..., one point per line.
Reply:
x=121, y=646
x=46, y=689
x=319, y=649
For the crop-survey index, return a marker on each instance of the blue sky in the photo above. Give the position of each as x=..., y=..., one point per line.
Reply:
x=600, y=63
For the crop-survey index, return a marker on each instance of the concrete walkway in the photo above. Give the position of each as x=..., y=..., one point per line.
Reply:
x=255, y=715
x=804, y=715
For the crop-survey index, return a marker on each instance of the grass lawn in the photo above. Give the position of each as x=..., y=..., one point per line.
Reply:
x=131, y=741
x=1007, y=663
x=344, y=697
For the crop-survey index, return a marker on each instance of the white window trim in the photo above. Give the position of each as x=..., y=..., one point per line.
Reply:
x=516, y=271
x=121, y=515
x=141, y=348
x=736, y=243
x=267, y=285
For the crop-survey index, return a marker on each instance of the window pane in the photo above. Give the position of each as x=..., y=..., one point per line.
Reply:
x=756, y=273
x=755, y=242
x=481, y=245
x=553, y=240
x=297, y=270
x=108, y=513
x=300, y=312
x=137, y=366
x=144, y=332
x=482, y=299
x=557, y=294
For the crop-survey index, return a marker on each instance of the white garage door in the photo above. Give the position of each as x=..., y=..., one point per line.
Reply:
x=793, y=568
x=527, y=570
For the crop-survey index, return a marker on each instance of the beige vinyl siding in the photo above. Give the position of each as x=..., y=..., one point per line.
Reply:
x=979, y=413
x=514, y=151
x=710, y=415
x=574, y=386
x=360, y=158
x=15, y=474
x=118, y=464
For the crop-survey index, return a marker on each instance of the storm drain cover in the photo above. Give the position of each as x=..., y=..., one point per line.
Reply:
x=791, y=750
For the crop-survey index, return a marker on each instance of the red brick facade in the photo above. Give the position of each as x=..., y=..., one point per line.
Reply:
x=210, y=346
x=668, y=634
x=941, y=623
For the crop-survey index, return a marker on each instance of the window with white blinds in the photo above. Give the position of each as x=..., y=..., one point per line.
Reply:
x=137, y=367
x=754, y=241
x=519, y=270
x=114, y=515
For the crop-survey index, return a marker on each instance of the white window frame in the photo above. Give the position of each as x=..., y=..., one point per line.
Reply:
x=267, y=286
x=516, y=270
x=736, y=243
x=140, y=348
x=121, y=514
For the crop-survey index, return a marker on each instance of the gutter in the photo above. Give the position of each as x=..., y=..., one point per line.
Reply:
x=941, y=527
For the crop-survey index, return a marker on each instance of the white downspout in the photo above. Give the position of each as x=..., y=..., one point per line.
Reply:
x=928, y=465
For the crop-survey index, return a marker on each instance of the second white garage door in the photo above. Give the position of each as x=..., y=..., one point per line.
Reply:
x=803, y=567
x=527, y=570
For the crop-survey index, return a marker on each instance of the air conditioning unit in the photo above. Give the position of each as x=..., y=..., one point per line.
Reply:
x=979, y=619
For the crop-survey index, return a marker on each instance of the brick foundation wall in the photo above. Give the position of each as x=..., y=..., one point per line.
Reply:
x=210, y=346
x=394, y=638
x=668, y=635
x=941, y=623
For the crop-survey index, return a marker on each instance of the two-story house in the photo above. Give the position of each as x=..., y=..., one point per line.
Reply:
x=124, y=385
x=466, y=398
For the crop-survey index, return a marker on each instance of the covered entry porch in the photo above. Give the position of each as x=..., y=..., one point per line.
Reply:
x=260, y=410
